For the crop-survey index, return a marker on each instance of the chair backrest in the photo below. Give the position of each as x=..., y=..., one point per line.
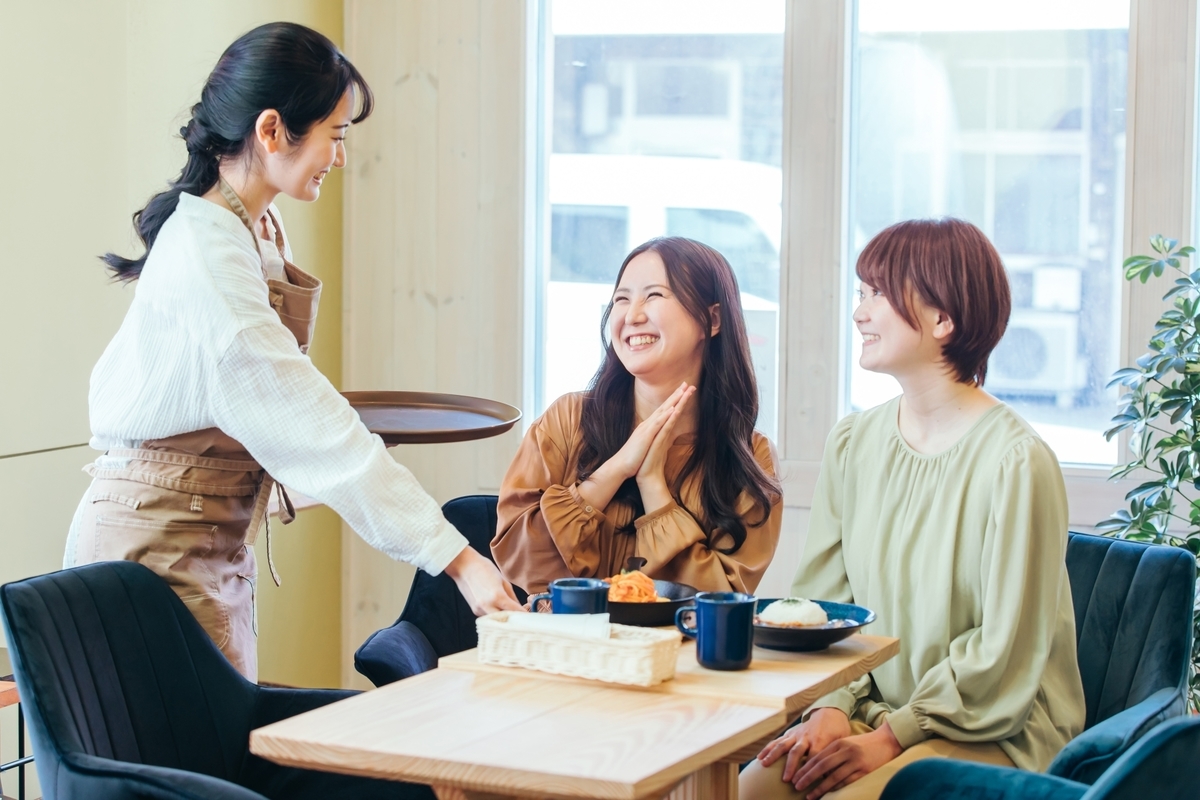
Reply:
x=1133, y=620
x=110, y=663
x=434, y=604
x=1159, y=766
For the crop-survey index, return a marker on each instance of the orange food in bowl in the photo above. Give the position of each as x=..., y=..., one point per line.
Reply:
x=632, y=587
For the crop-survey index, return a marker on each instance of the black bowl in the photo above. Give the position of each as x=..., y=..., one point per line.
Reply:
x=653, y=615
x=812, y=637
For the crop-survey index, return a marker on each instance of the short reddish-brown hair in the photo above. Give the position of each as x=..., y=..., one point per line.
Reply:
x=949, y=265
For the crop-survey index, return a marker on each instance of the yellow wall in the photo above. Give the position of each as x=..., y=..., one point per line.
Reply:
x=92, y=97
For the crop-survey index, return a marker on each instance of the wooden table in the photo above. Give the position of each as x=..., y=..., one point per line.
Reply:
x=477, y=733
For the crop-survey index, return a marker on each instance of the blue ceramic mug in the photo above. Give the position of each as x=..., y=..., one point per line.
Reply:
x=574, y=596
x=724, y=631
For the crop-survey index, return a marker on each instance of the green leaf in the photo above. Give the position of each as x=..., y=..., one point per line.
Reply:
x=1111, y=526
x=1147, y=492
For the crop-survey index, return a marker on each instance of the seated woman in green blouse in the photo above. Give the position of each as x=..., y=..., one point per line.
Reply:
x=945, y=513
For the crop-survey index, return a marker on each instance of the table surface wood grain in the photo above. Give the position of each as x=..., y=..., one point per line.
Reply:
x=475, y=731
x=518, y=735
x=790, y=681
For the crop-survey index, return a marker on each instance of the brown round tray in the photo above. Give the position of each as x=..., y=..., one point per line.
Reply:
x=428, y=417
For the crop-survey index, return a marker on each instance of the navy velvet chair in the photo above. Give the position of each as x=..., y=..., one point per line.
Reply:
x=436, y=620
x=1133, y=626
x=1160, y=766
x=126, y=696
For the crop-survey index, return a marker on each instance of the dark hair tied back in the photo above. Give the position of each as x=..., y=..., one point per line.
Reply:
x=283, y=66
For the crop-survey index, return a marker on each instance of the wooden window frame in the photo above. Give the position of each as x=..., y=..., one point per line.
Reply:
x=814, y=330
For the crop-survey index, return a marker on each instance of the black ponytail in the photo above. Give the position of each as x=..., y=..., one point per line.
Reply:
x=293, y=69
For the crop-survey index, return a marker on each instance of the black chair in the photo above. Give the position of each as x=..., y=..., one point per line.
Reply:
x=1133, y=627
x=126, y=696
x=436, y=620
x=1159, y=766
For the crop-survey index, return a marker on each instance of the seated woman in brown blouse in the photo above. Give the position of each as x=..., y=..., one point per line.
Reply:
x=659, y=457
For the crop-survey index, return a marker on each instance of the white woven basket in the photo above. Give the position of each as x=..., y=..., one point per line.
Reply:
x=635, y=656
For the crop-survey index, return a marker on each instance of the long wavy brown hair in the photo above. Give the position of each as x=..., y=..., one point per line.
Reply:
x=726, y=398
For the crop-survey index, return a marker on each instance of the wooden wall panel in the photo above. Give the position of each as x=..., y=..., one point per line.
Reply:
x=1160, y=150
x=434, y=245
x=95, y=114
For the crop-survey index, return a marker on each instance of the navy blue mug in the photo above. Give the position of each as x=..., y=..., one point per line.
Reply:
x=574, y=596
x=724, y=631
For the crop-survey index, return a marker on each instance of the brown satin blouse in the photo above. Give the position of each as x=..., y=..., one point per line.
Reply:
x=546, y=530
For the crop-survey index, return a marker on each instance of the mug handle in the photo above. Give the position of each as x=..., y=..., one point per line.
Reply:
x=684, y=629
x=533, y=601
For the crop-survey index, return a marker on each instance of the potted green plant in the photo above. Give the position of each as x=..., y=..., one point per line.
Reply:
x=1161, y=411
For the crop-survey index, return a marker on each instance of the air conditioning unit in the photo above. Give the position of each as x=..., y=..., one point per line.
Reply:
x=1039, y=354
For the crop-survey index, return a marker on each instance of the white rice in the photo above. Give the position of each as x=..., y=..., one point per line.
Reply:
x=793, y=611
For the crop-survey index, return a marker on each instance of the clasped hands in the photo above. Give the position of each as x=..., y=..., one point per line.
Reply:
x=644, y=454
x=832, y=755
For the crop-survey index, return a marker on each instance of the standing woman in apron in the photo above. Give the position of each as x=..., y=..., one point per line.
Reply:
x=206, y=399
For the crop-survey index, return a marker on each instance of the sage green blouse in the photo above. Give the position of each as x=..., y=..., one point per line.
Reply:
x=962, y=556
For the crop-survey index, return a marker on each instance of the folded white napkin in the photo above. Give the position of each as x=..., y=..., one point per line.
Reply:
x=588, y=626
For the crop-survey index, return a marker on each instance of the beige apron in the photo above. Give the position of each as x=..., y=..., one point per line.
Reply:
x=190, y=506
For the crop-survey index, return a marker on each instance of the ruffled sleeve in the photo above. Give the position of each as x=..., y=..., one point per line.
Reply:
x=822, y=572
x=545, y=529
x=676, y=549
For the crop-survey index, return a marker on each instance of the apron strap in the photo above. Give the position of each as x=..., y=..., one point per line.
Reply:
x=261, y=517
x=239, y=208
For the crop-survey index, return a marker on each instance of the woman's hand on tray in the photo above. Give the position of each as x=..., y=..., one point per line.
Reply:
x=481, y=584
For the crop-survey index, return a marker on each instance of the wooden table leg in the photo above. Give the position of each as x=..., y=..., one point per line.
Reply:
x=714, y=782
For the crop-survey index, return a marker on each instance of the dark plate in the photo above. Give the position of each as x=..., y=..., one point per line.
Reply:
x=425, y=417
x=653, y=615
x=816, y=637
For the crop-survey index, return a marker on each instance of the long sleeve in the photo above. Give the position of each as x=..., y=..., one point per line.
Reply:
x=675, y=546
x=986, y=687
x=271, y=399
x=822, y=571
x=545, y=530
x=201, y=347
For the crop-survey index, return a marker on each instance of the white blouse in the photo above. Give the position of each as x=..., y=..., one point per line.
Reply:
x=201, y=348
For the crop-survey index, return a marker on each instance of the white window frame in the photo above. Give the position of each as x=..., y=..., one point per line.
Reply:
x=814, y=329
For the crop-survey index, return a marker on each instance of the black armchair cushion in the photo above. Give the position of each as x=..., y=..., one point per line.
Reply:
x=395, y=653
x=434, y=604
x=125, y=695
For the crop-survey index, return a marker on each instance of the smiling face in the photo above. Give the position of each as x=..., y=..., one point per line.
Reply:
x=653, y=334
x=892, y=346
x=298, y=170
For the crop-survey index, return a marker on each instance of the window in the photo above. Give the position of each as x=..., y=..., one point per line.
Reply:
x=1012, y=117
x=663, y=119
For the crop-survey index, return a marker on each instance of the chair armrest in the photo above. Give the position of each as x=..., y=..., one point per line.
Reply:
x=1158, y=766
x=948, y=779
x=1088, y=755
x=95, y=778
x=272, y=704
x=395, y=653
